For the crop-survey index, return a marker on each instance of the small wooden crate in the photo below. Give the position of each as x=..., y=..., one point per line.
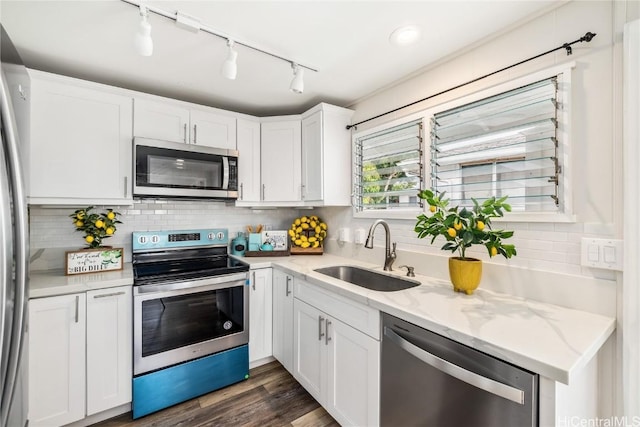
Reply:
x=306, y=251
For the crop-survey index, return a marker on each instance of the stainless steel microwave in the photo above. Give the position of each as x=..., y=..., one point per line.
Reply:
x=175, y=170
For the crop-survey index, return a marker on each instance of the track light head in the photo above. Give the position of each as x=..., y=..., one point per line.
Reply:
x=230, y=65
x=297, y=84
x=143, y=41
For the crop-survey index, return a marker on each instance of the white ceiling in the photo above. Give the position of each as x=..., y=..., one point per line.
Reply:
x=347, y=41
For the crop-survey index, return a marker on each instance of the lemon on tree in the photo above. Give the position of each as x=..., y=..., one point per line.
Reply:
x=307, y=232
x=95, y=227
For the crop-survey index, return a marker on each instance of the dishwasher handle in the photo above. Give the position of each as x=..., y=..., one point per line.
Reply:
x=476, y=380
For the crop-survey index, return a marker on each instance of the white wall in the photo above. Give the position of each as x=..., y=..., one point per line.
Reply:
x=52, y=231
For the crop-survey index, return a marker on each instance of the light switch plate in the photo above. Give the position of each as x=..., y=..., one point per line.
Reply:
x=602, y=253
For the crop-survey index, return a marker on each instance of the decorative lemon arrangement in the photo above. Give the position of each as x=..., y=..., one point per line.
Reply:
x=96, y=227
x=307, y=232
x=463, y=228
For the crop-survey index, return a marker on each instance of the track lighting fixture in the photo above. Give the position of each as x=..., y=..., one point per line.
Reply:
x=230, y=65
x=143, y=41
x=297, y=84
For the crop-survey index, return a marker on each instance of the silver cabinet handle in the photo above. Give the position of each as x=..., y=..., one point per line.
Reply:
x=476, y=380
x=241, y=191
x=327, y=338
x=112, y=294
x=301, y=191
x=195, y=129
x=287, y=290
x=263, y=186
x=184, y=138
x=253, y=279
x=126, y=190
x=77, y=307
x=320, y=333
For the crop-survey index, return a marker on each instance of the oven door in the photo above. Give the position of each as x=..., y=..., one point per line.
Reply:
x=164, y=168
x=181, y=321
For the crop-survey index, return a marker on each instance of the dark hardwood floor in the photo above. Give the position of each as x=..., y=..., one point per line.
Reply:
x=270, y=397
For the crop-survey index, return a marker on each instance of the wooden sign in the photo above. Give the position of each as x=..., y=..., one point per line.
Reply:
x=93, y=261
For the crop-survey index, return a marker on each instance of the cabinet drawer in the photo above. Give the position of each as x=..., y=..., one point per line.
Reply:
x=356, y=315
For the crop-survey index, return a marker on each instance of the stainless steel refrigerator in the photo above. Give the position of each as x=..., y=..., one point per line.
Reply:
x=14, y=241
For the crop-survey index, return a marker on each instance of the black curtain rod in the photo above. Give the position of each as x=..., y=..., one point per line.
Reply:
x=586, y=38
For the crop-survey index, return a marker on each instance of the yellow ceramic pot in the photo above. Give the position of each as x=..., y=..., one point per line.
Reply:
x=465, y=274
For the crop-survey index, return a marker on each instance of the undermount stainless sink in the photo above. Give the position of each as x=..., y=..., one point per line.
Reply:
x=367, y=278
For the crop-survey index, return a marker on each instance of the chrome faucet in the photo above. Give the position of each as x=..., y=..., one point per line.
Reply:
x=389, y=254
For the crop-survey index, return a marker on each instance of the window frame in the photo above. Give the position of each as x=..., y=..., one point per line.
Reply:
x=398, y=213
x=563, y=134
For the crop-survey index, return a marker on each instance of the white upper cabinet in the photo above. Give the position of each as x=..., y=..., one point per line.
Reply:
x=213, y=130
x=326, y=156
x=80, y=148
x=248, y=161
x=180, y=122
x=281, y=161
x=160, y=120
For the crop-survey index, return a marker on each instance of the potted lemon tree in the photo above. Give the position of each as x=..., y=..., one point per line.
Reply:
x=463, y=228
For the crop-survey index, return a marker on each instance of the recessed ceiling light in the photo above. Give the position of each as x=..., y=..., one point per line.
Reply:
x=405, y=35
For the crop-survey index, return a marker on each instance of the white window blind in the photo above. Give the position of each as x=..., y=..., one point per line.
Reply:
x=505, y=145
x=389, y=168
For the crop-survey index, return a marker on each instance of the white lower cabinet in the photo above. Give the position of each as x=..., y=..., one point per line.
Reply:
x=56, y=360
x=79, y=355
x=336, y=363
x=260, y=318
x=109, y=348
x=283, y=318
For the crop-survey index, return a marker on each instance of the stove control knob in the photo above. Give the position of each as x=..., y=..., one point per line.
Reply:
x=142, y=240
x=155, y=239
x=220, y=235
x=210, y=236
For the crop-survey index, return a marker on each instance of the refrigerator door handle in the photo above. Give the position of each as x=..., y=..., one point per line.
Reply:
x=21, y=243
x=476, y=380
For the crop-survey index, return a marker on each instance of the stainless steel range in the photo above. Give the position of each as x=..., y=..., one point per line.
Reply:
x=191, y=317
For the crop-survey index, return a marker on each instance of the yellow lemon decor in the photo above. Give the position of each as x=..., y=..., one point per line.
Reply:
x=95, y=227
x=306, y=234
x=461, y=229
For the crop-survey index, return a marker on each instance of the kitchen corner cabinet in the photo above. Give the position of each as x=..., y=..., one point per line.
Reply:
x=326, y=156
x=283, y=318
x=79, y=355
x=336, y=363
x=260, y=317
x=248, y=140
x=80, y=147
x=280, y=160
x=177, y=122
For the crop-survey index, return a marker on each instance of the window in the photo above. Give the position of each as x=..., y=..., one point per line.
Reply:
x=389, y=169
x=503, y=145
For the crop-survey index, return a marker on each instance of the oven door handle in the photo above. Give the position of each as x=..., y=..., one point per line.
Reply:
x=216, y=282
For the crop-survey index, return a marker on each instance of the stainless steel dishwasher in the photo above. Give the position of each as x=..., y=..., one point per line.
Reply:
x=429, y=380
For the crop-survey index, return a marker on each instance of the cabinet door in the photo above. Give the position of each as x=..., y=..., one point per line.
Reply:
x=248, y=161
x=309, y=354
x=160, y=120
x=260, y=319
x=213, y=130
x=353, y=387
x=80, y=145
x=56, y=360
x=280, y=164
x=109, y=348
x=283, y=318
x=312, y=157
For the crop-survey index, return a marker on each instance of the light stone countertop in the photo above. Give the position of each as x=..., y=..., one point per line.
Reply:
x=48, y=283
x=553, y=341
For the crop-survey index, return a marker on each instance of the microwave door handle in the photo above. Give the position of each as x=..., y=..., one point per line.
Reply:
x=225, y=172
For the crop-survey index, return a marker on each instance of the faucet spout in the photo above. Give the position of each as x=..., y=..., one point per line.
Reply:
x=389, y=254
